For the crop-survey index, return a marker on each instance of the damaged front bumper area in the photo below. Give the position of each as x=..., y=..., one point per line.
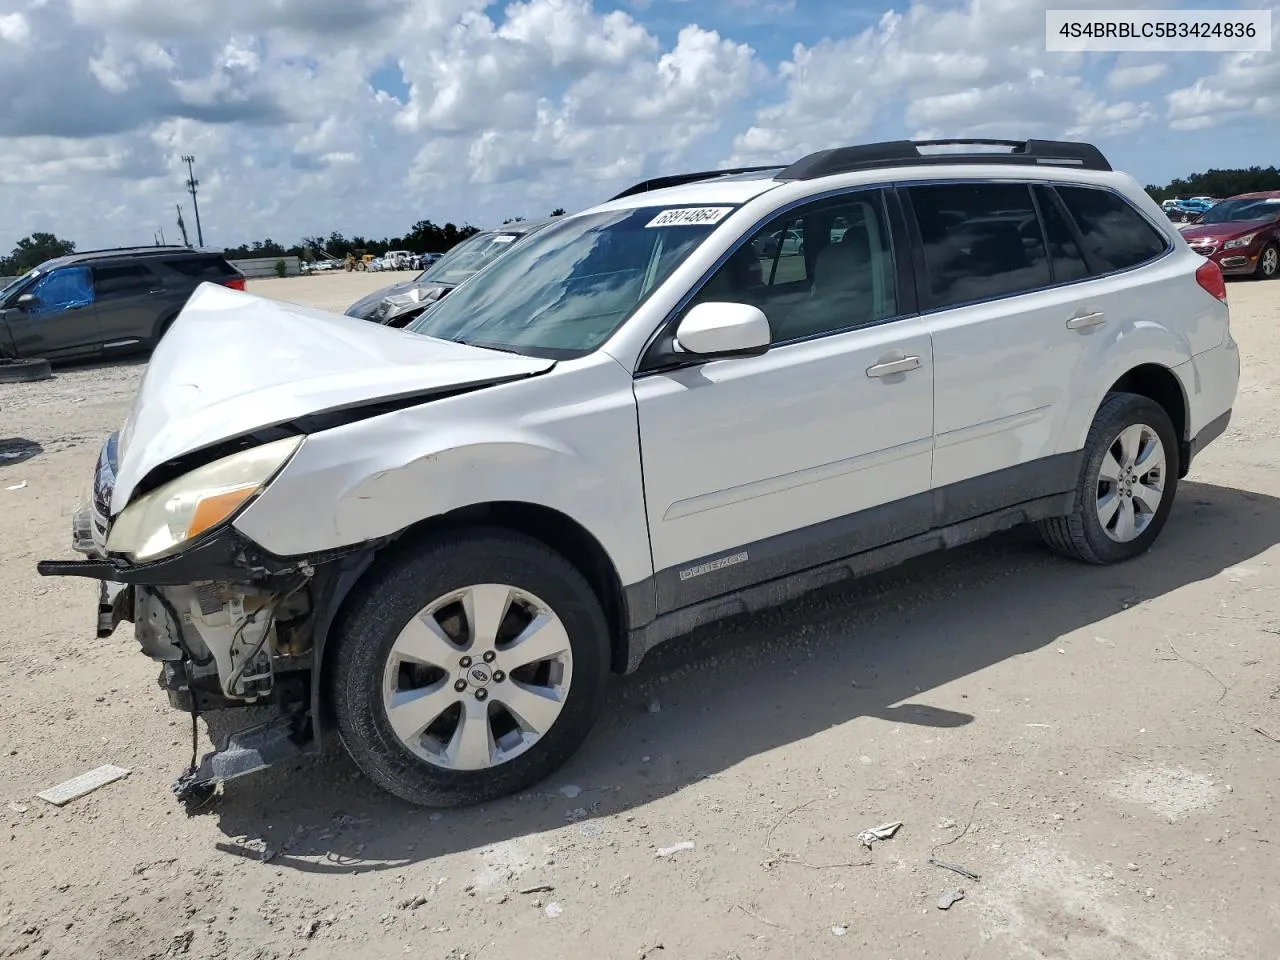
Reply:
x=231, y=626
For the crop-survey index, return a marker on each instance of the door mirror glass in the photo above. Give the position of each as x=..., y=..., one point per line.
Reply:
x=724, y=330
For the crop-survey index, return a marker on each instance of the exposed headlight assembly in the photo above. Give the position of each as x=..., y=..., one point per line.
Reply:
x=1239, y=242
x=164, y=520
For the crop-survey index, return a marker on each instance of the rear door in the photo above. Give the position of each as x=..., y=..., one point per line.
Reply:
x=129, y=298
x=61, y=321
x=1008, y=295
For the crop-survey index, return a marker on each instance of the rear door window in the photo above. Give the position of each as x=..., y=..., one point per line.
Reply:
x=1116, y=236
x=125, y=280
x=981, y=241
x=214, y=269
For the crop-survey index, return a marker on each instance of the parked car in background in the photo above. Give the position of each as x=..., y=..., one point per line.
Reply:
x=399, y=303
x=1240, y=234
x=396, y=260
x=104, y=302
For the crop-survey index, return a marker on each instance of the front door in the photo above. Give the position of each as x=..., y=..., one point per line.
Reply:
x=820, y=448
x=59, y=321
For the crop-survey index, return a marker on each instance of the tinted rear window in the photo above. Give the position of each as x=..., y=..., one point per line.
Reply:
x=202, y=268
x=1115, y=235
x=981, y=241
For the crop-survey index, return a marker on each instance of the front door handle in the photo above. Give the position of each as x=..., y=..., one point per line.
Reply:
x=1082, y=320
x=887, y=367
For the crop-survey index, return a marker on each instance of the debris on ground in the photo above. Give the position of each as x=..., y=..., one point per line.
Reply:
x=553, y=910
x=839, y=929
x=19, y=807
x=86, y=783
x=883, y=832
x=578, y=813
x=675, y=848
x=954, y=868
x=538, y=888
x=949, y=899
x=654, y=706
x=570, y=790
x=17, y=486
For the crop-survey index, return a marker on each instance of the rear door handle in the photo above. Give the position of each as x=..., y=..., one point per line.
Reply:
x=887, y=368
x=1082, y=320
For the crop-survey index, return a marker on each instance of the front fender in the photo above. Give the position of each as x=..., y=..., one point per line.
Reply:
x=566, y=440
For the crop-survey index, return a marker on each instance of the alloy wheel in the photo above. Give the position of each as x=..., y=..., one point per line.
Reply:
x=477, y=677
x=1131, y=482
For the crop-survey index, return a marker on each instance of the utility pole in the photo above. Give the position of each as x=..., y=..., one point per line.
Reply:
x=182, y=225
x=192, y=183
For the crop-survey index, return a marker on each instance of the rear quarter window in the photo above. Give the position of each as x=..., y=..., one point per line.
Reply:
x=202, y=268
x=1115, y=235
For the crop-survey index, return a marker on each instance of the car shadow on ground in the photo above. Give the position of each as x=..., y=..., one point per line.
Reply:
x=15, y=450
x=873, y=648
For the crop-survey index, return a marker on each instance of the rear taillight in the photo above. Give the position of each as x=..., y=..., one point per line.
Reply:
x=1209, y=276
x=235, y=283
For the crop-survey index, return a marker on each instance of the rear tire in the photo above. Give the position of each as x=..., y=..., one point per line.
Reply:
x=1128, y=480
x=386, y=663
x=24, y=371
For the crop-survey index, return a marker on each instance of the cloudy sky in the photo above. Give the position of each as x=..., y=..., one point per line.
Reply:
x=363, y=116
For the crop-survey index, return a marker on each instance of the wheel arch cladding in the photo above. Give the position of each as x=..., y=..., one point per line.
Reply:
x=554, y=529
x=1161, y=385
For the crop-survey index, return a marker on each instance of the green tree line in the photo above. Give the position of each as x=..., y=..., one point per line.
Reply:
x=1218, y=183
x=424, y=237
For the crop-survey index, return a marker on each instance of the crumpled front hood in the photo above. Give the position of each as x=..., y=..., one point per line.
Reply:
x=233, y=363
x=364, y=307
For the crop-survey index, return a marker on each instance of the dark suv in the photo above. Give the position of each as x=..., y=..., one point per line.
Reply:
x=104, y=302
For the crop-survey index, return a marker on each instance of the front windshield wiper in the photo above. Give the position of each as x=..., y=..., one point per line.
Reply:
x=486, y=345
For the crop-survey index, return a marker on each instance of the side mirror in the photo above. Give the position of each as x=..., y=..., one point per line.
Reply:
x=24, y=301
x=721, y=330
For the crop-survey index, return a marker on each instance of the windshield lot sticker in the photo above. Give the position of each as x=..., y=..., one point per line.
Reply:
x=504, y=238
x=689, y=217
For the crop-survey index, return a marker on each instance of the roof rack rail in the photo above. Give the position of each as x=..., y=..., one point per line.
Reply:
x=903, y=153
x=135, y=248
x=678, y=179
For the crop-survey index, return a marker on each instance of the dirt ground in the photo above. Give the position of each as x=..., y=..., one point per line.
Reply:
x=1100, y=746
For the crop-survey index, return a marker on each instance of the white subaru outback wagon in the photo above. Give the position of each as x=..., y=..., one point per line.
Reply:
x=440, y=541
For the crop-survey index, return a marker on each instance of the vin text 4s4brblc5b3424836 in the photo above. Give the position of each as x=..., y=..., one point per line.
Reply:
x=706, y=396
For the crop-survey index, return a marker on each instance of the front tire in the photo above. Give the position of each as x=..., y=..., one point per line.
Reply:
x=1268, y=267
x=469, y=669
x=1127, y=484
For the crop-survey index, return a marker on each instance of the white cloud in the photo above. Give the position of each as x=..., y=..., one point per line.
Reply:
x=1139, y=75
x=14, y=28
x=520, y=108
x=1244, y=85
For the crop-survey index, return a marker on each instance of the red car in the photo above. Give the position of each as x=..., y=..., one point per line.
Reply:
x=1241, y=235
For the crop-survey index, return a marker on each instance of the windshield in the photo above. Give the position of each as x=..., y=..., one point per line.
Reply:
x=468, y=257
x=1238, y=211
x=564, y=291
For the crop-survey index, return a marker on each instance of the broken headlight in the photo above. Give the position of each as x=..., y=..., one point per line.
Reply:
x=161, y=522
